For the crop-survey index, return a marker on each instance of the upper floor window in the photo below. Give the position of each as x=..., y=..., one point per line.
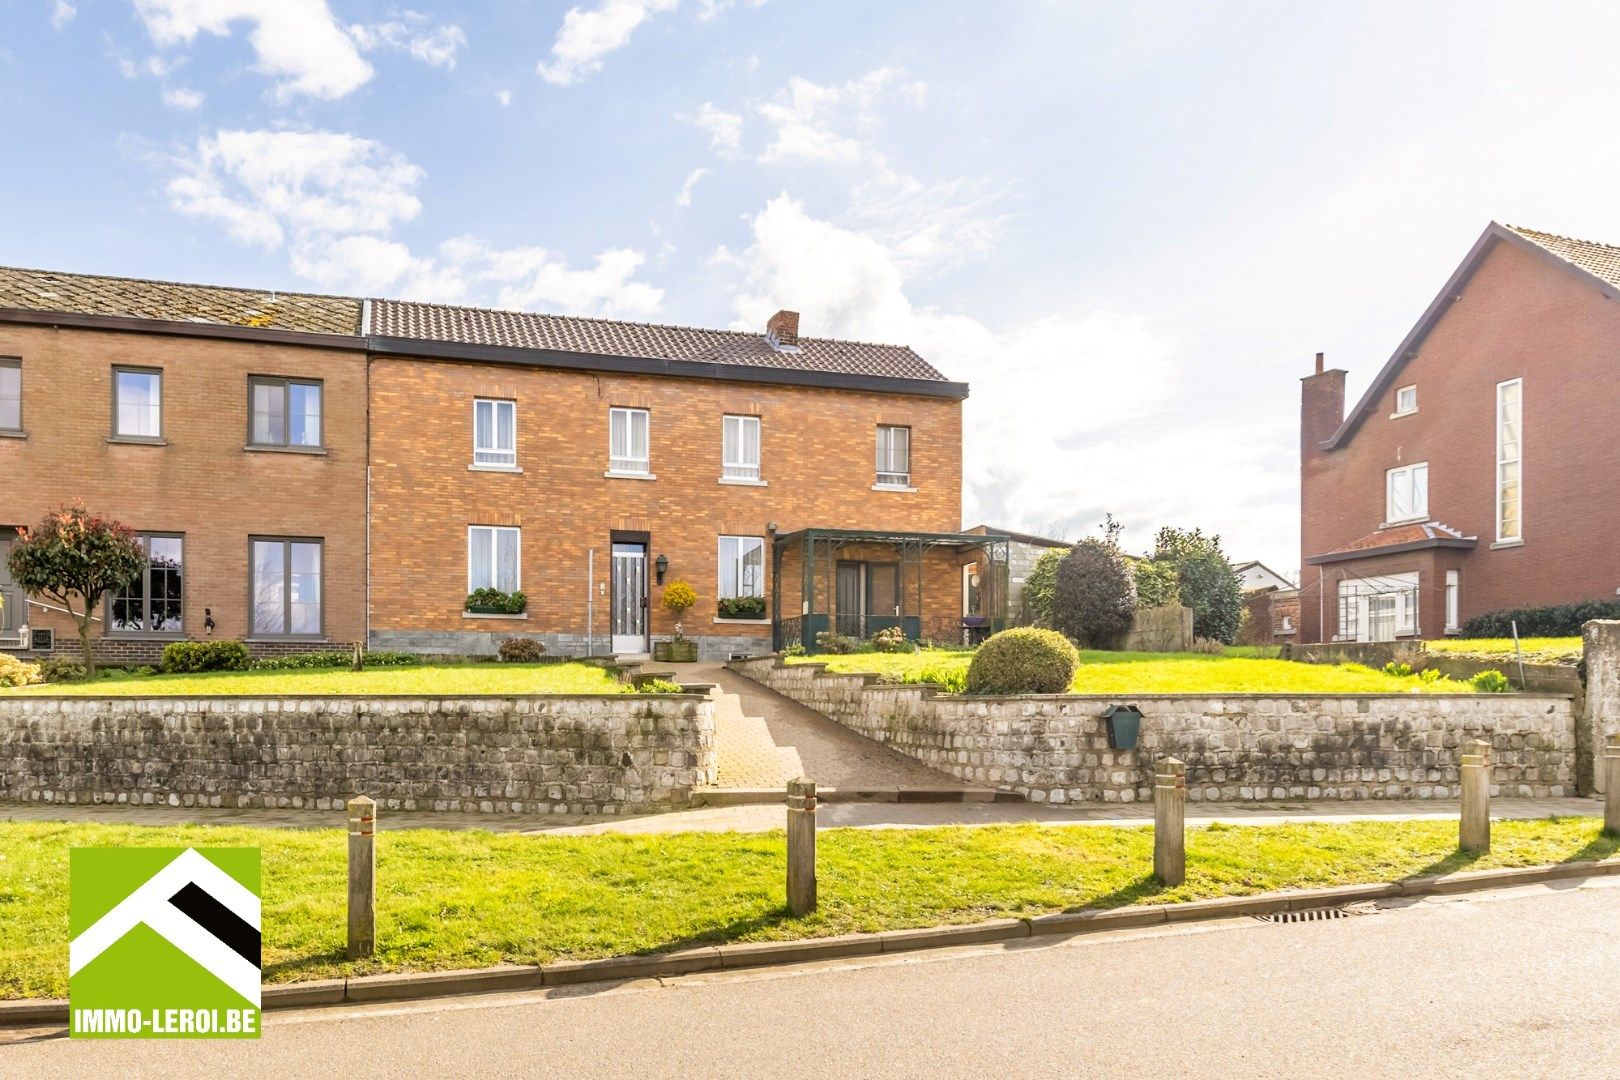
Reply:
x=495, y=433
x=10, y=394
x=494, y=557
x=285, y=412
x=137, y=403
x=1407, y=493
x=286, y=587
x=1510, y=460
x=1406, y=400
x=153, y=603
x=740, y=452
x=893, y=456
x=628, y=441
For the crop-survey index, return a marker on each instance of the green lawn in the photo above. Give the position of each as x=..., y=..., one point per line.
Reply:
x=1537, y=650
x=427, y=679
x=468, y=899
x=1160, y=673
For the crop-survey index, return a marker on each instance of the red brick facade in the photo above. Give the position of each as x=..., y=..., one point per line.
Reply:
x=1513, y=313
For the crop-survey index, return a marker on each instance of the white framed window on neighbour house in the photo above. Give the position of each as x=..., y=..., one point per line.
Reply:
x=739, y=451
x=1453, y=600
x=1406, y=493
x=10, y=394
x=494, y=558
x=893, y=456
x=629, y=439
x=1510, y=461
x=1406, y=400
x=495, y=433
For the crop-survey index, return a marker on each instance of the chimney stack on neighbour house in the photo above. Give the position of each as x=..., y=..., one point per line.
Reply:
x=783, y=329
x=1321, y=406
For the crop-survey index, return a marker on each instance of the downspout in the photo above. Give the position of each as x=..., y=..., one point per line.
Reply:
x=365, y=333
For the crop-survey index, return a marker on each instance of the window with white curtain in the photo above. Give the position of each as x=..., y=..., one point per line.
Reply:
x=742, y=566
x=1407, y=493
x=893, y=456
x=493, y=558
x=1510, y=460
x=495, y=433
x=740, y=450
x=628, y=441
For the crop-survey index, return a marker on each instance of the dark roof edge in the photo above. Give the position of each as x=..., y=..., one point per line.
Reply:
x=638, y=365
x=135, y=324
x=1022, y=537
x=1442, y=303
x=1393, y=549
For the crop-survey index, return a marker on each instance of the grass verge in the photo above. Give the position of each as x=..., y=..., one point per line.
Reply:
x=469, y=899
x=427, y=679
x=1537, y=650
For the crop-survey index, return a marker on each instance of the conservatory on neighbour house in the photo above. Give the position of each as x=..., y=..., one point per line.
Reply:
x=943, y=587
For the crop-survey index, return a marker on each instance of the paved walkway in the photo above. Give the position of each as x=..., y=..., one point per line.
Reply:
x=830, y=816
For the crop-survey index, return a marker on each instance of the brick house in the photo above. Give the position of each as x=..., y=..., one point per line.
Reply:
x=1470, y=477
x=310, y=471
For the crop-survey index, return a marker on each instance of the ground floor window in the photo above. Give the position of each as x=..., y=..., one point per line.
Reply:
x=1453, y=589
x=1378, y=608
x=286, y=587
x=742, y=577
x=154, y=602
x=493, y=558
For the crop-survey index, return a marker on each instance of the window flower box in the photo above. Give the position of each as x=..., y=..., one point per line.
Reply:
x=496, y=602
x=742, y=607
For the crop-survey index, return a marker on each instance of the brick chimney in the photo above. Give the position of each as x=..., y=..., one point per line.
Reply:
x=783, y=329
x=1321, y=406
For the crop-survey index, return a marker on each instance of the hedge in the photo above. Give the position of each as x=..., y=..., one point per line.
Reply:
x=1563, y=620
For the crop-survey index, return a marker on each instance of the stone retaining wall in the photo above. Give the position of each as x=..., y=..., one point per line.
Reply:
x=598, y=754
x=1237, y=747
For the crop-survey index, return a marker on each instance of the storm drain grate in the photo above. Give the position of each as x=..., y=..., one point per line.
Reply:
x=1306, y=915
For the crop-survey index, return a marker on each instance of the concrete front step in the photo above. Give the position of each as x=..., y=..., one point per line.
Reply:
x=740, y=796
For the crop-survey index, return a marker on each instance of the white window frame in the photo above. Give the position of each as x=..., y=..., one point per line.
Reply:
x=888, y=477
x=13, y=363
x=1405, y=410
x=1453, y=601
x=1407, y=473
x=1501, y=463
x=737, y=566
x=494, y=456
x=493, y=532
x=628, y=463
x=739, y=470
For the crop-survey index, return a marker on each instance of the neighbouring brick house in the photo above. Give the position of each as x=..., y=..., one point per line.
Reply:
x=264, y=444
x=1476, y=473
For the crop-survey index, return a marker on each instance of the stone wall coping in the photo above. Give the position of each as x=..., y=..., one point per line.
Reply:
x=150, y=698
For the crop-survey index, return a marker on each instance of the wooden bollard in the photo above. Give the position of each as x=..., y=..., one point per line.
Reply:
x=1474, y=831
x=362, y=877
x=801, y=846
x=1170, y=821
x=1611, y=784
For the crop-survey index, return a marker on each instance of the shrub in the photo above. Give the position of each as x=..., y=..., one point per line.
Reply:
x=1094, y=597
x=145, y=671
x=1037, y=595
x=951, y=678
x=1398, y=670
x=299, y=661
x=678, y=598
x=892, y=639
x=659, y=686
x=1431, y=675
x=521, y=650
x=1491, y=682
x=1205, y=579
x=61, y=669
x=829, y=642
x=15, y=672
x=1209, y=646
x=496, y=602
x=1563, y=620
x=795, y=648
x=742, y=607
x=391, y=659
x=1024, y=660
x=186, y=657
x=1157, y=584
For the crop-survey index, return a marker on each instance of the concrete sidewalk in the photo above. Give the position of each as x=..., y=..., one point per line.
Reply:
x=830, y=816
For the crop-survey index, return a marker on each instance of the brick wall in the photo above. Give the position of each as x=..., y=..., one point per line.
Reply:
x=1237, y=747
x=1520, y=316
x=203, y=483
x=606, y=754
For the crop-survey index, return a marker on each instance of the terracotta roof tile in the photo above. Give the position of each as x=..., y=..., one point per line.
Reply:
x=91, y=294
x=1398, y=535
x=606, y=337
x=1602, y=260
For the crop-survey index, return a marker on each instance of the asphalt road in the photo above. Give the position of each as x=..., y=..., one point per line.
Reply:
x=1520, y=983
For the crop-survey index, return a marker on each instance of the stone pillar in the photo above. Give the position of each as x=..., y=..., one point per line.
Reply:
x=1474, y=833
x=801, y=846
x=1170, y=821
x=1600, y=718
x=362, y=877
x=1611, y=779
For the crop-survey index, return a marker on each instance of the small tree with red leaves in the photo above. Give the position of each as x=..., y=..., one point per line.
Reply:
x=74, y=554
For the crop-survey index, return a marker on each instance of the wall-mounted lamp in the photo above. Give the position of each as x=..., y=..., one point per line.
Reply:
x=208, y=621
x=662, y=563
x=771, y=527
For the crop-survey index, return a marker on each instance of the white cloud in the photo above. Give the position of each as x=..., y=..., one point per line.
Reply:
x=504, y=97
x=297, y=42
x=708, y=9
x=334, y=201
x=808, y=116
x=692, y=178
x=436, y=46
x=723, y=128
x=62, y=13
x=180, y=97
x=588, y=35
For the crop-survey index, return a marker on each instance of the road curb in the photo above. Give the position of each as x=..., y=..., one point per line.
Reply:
x=365, y=989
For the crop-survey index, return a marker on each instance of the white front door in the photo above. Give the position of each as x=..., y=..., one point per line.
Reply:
x=629, y=598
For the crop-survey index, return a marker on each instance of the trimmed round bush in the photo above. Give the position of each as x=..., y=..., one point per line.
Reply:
x=522, y=651
x=1024, y=660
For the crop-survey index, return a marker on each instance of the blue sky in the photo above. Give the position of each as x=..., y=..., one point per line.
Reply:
x=1129, y=226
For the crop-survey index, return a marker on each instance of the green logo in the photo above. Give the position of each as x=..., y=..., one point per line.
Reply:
x=164, y=943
